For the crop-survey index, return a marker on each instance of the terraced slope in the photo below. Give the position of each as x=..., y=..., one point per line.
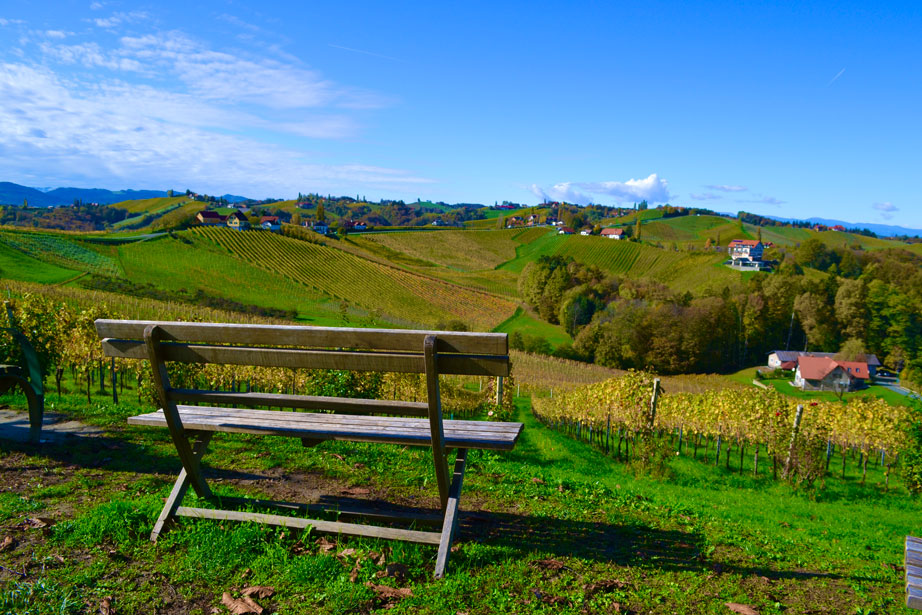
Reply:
x=693, y=229
x=62, y=251
x=461, y=250
x=400, y=294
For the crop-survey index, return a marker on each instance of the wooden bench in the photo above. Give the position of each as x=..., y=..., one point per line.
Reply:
x=29, y=379
x=913, y=567
x=333, y=418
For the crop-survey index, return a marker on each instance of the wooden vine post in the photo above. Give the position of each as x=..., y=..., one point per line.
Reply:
x=797, y=417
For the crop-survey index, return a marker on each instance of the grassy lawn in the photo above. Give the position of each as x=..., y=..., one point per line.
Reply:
x=527, y=325
x=552, y=527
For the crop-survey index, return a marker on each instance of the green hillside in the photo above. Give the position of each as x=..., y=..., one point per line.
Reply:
x=693, y=231
x=400, y=295
x=61, y=250
x=17, y=265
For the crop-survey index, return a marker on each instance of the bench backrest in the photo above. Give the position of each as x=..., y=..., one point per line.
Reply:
x=380, y=350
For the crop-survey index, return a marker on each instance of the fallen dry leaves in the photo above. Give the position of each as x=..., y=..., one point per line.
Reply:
x=742, y=609
x=260, y=591
x=240, y=606
x=105, y=607
x=8, y=544
x=386, y=592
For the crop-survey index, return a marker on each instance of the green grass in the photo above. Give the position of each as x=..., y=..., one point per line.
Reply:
x=60, y=250
x=526, y=324
x=562, y=528
x=17, y=265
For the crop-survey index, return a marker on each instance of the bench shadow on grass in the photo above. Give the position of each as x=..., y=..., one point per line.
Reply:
x=517, y=536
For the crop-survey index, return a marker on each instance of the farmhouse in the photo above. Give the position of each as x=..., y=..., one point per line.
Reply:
x=270, y=223
x=787, y=359
x=827, y=374
x=745, y=249
x=565, y=230
x=210, y=218
x=319, y=227
x=237, y=220
x=613, y=233
x=586, y=232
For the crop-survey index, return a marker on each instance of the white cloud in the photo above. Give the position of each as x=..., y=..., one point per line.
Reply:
x=118, y=19
x=652, y=189
x=725, y=188
x=57, y=34
x=141, y=135
x=96, y=6
x=764, y=200
x=886, y=209
x=10, y=22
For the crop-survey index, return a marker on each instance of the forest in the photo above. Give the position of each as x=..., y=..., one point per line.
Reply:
x=838, y=299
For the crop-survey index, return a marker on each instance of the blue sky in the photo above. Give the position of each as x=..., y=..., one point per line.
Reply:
x=799, y=111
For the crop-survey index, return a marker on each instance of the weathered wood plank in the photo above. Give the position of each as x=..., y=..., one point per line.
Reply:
x=914, y=598
x=422, y=517
x=318, y=337
x=419, y=436
x=317, y=525
x=436, y=435
x=913, y=581
x=913, y=570
x=461, y=364
x=912, y=540
x=161, y=381
x=325, y=420
x=307, y=402
x=450, y=524
x=179, y=488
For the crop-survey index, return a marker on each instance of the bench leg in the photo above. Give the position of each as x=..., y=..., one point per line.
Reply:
x=36, y=412
x=450, y=524
x=179, y=488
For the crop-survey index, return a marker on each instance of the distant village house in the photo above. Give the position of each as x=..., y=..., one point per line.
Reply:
x=210, y=218
x=238, y=221
x=613, y=233
x=827, y=374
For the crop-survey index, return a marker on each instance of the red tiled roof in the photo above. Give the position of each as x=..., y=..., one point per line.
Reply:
x=272, y=219
x=817, y=368
x=744, y=242
x=612, y=231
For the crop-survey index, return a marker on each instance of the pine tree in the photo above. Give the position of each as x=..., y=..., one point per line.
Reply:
x=637, y=231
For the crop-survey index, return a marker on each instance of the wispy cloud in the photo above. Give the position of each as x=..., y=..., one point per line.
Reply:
x=117, y=19
x=96, y=6
x=57, y=34
x=764, y=200
x=706, y=196
x=834, y=79
x=10, y=22
x=886, y=209
x=726, y=188
x=367, y=53
x=652, y=189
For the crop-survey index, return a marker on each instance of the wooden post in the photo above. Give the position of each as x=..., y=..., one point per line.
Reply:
x=787, y=462
x=653, y=401
x=828, y=453
x=114, y=384
x=499, y=390
x=755, y=462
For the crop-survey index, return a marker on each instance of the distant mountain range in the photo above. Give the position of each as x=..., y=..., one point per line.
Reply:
x=884, y=230
x=15, y=194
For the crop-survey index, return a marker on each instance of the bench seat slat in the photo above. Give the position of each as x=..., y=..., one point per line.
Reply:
x=307, y=402
x=393, y=430
x=402, y=362
x=318, y=337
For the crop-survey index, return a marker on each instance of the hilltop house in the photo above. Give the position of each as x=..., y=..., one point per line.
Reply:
x=827, y=374
x=210, y=218
x=565, y=230
x=321, y=228
x=270, y=223
x=613, y=233
x=586, y=231
x=787, y=359
x=745, y=250
x=237, y=220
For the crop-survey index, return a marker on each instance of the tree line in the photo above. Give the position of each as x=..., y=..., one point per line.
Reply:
x=822, y=299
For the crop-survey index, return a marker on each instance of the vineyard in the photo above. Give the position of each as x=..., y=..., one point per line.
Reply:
x=59, y=250
x=693, y=229
x=402, y=296
x=617, y=409
x=461, y=250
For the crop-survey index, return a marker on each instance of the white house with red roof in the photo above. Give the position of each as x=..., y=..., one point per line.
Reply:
x=745, y=250
x=612, y=233
x=827, y=374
